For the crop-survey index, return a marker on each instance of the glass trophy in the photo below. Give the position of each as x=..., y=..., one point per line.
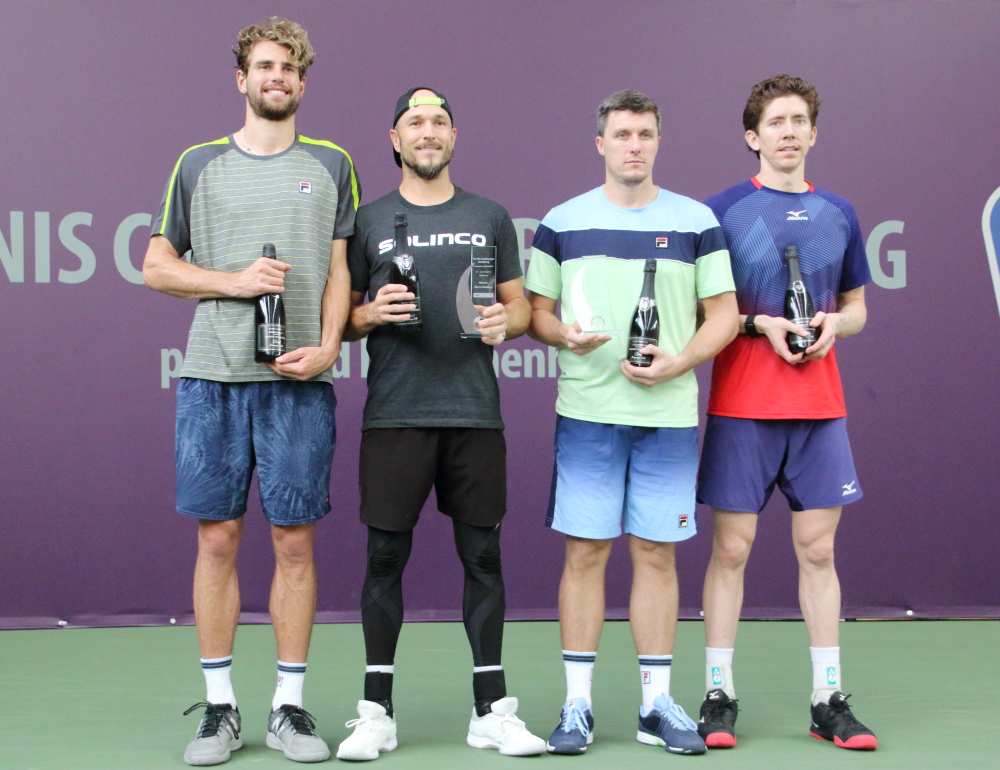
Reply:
x=477, y=287
x=592, y=306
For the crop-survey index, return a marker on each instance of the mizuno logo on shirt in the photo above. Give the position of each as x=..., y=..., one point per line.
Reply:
x=796, y=216
x=438, y=239
x=849, y=489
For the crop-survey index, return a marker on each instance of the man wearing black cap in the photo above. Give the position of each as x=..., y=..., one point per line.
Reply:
x=432, y=417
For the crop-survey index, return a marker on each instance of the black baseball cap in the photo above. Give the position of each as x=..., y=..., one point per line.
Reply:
x=407, y=100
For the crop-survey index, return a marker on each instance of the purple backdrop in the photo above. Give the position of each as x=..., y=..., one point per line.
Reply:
x=107, y=96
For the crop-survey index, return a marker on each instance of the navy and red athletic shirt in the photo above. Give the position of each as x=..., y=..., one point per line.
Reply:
x=748, y=378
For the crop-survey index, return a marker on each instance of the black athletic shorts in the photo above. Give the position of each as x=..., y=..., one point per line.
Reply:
x=466, y=466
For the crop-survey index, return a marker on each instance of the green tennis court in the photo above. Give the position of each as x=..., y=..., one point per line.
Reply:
x=112, y=698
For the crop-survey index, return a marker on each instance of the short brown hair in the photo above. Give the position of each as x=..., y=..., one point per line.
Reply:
x=282, y=31
x=630, y=100
x=766, y=91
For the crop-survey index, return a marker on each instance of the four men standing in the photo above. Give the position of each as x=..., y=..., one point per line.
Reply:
x=626, y=438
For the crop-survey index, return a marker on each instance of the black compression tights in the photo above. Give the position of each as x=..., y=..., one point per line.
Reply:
x=482, y=606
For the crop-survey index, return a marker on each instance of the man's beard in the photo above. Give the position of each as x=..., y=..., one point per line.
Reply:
x=267, y=111
x=428, y=173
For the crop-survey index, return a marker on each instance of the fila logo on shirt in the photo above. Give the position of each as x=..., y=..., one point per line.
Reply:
x=849, y=489
x=661, y=243
x=682, y=520
x=439, y=239
x=306, y=187
x=797, y=216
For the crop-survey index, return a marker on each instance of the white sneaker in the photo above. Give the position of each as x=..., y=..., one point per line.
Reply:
x=501, y=730
x=374, y=731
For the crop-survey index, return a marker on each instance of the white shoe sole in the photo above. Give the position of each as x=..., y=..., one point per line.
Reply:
x=480, y=742
x=357, y=756
x=653, y=740
x=312, y=756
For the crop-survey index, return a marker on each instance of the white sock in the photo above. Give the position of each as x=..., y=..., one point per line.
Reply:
x=719, y=670
x=654, y=672
x=217, y=683
x=579, y=674
x=291, y=677
x=826, y=673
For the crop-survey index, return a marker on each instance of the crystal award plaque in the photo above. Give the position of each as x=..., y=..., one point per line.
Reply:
x=479, y=289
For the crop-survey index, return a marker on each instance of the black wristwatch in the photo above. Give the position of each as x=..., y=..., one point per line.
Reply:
x=750, y=328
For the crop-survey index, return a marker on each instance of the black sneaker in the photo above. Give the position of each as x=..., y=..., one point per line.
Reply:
x=718, y=720
x=218, y=734
x=834, y=721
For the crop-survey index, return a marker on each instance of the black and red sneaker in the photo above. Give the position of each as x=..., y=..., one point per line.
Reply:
x=717, y=723
x=834, y=721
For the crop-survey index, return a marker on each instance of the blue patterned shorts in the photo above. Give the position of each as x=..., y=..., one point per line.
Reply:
x=285, y=429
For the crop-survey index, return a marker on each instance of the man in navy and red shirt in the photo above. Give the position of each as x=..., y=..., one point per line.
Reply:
x=775, y=417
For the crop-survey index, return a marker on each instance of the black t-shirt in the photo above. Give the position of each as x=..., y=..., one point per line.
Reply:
x=432, y=378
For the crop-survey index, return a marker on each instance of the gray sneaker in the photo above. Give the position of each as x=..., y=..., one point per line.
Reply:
x=218, y=734
x=291, y=730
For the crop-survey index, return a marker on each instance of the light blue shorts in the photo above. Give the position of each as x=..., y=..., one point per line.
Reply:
x=606, y=473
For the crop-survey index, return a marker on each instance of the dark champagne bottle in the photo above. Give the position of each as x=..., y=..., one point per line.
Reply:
x=269, y=321
x=645, y=328
x=404, y=271
x=798, y=305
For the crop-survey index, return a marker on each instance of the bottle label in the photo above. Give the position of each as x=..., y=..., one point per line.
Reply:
x=414, y=314
x=635, y=344
x=645, y=303
x=804, y=324
x=271, y=339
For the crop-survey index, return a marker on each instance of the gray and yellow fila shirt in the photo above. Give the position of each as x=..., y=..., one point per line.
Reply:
x=222, y=205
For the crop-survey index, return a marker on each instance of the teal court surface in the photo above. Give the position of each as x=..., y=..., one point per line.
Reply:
x=112, y=698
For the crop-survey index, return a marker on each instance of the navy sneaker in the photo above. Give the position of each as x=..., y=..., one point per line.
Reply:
x=667, y=725
x=575, y=731
x=834, y=721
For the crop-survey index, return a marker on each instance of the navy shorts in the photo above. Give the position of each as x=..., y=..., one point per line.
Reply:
x=285, y=429
x=809, y=460
x=607, y=476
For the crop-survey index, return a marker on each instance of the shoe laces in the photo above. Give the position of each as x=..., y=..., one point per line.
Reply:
x=365, y=722
x=574, y=718
x=676, y=716
x=511, y=722
x=213, y=719
x=715, y=710
x=301, y=720
x=841, y=712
